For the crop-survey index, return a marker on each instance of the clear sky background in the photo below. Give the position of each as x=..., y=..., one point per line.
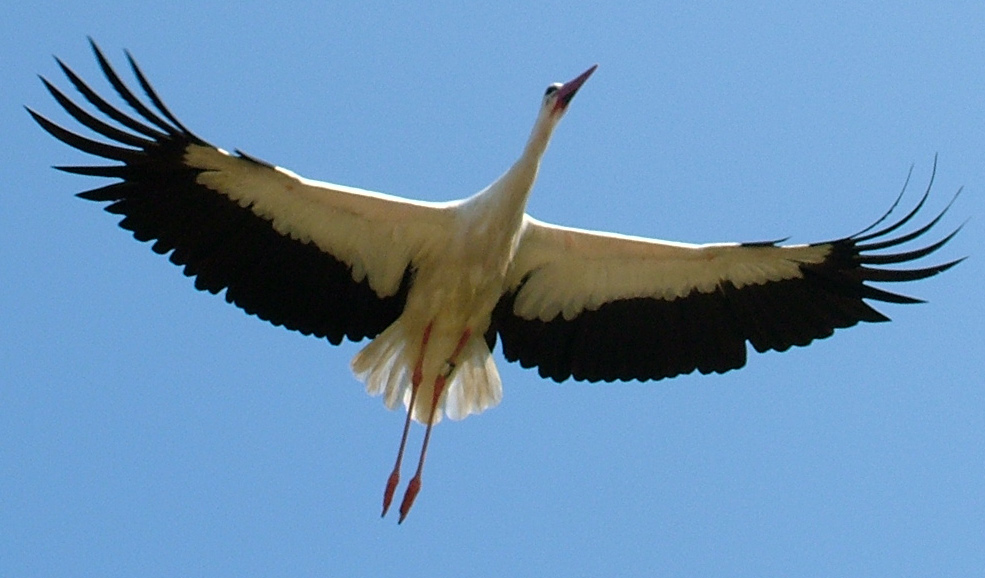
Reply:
x=147, y=429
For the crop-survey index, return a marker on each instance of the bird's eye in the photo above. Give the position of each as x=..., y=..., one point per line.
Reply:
x=551, y=90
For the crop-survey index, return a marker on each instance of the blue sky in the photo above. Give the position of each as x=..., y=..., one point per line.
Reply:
x=149, y=429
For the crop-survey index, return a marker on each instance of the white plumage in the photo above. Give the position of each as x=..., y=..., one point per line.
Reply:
x=436, y=284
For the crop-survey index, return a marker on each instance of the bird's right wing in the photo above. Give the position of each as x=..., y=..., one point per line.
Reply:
x=318, y=258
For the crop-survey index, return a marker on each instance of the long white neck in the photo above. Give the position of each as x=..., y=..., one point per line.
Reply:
x=506, y=197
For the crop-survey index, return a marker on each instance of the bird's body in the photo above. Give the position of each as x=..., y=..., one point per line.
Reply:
x=462, y=253
x=436, y=284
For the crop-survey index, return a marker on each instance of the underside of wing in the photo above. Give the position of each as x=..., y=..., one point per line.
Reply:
x=598, y=306
x=321, y=259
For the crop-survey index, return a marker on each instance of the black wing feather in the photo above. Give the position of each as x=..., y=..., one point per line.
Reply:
x=223, y=245
x=106, y=108
x=645, y=338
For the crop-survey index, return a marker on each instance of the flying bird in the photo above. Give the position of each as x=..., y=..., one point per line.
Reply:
x=434, y=285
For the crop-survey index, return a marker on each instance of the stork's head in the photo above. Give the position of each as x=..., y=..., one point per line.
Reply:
x=558, y=95
x=556, y=100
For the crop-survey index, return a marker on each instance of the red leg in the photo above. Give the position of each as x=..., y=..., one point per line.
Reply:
x=394, y=479
x=439, y=385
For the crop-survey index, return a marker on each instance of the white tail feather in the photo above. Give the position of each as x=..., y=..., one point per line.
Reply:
x=385, y=367
x=475, y=387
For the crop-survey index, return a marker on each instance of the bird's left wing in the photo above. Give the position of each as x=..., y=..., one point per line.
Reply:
x=318, y=258
x=600, y=306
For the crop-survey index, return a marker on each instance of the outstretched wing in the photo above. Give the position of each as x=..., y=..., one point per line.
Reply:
x=319, y=258
x=599, y=306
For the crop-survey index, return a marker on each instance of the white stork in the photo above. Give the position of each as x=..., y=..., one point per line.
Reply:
x=434, y=284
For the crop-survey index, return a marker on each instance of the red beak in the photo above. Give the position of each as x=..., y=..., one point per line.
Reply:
x=568, y=89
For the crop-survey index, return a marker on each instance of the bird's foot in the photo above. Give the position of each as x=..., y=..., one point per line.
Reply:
x=412, y=489
x=391, y=486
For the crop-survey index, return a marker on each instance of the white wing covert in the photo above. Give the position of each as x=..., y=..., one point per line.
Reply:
x=318, y=258
x=600, y=306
